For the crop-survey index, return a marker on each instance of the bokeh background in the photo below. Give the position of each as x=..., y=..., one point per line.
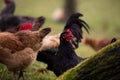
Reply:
x=103, y=17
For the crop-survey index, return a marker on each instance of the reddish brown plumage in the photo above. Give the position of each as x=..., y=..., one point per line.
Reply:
x=19, y=50
x=97, y=44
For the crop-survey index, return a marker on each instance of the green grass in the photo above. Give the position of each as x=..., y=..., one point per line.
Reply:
x=103, y=16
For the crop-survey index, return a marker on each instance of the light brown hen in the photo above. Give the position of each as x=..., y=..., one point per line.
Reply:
x=19, y=50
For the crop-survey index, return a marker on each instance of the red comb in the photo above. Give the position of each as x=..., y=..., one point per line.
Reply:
x=25, y=26
x=69, y=31
x=68, y=38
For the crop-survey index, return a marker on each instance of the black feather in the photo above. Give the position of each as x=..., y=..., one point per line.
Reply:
x=75, y=25
x=9, y=9
x=65, y=57
x=11, y=21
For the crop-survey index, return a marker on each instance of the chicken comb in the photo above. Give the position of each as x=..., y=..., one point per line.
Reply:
x=68, y=37
x=25, y=26
x=69, y=31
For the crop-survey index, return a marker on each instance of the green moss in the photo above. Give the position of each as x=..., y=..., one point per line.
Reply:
x=102, y=66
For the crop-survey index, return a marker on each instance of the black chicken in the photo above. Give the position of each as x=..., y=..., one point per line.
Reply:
x=64, y=57
x=11, y=23
x=9, y=9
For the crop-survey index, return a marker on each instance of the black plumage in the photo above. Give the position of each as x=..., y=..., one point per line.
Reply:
x=11, y=23
x=64, y=57
x=75, y=24
x=8, y=22
x=9, y=8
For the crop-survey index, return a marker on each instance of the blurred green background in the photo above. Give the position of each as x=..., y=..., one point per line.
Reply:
x=103, y=17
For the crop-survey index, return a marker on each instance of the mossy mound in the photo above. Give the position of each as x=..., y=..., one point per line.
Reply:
x=105, y=65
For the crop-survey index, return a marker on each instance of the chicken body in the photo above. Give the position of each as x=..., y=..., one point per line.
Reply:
x=96, y=44
x=22, y=39
x=64, y=57
x=11, y=23
x=61, y=59
x=18, y=58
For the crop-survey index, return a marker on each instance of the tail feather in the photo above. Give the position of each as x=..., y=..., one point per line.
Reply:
x=85, y=25
x=75, y=25
x=76, y=15
x=44, y=32
x=38, y=23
